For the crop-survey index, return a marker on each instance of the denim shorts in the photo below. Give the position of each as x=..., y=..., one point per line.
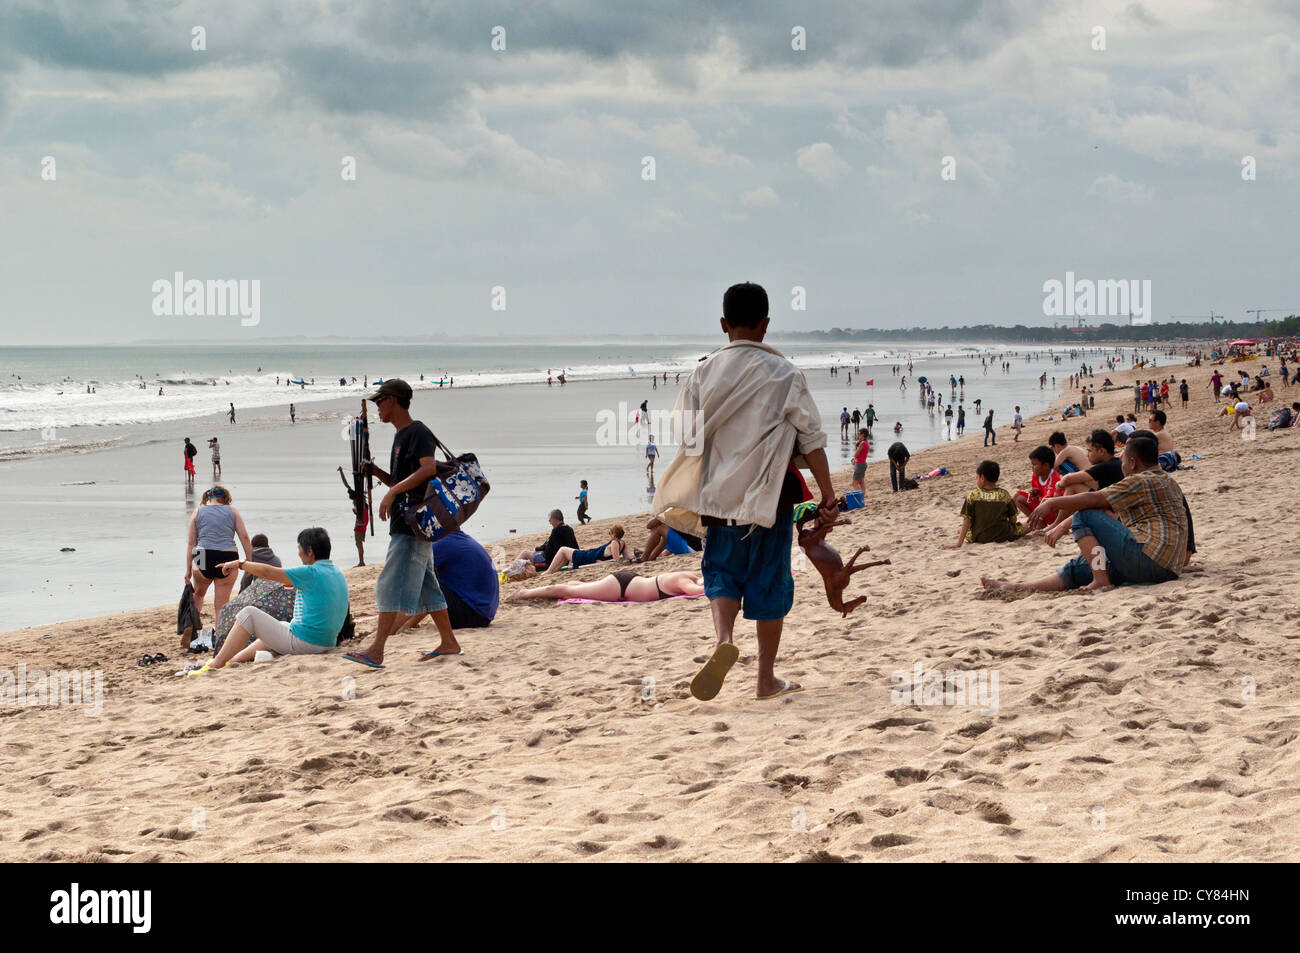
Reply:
x=407, y=583
x=751, y=564
x=1125, y=560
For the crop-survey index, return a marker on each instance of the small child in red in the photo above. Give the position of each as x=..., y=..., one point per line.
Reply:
x=1042, y=484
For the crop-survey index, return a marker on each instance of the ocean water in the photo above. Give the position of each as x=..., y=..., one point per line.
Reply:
x=110, y=488
x=48, y=391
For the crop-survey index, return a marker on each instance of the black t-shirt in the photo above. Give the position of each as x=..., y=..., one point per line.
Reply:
x=1108, y=473
x=191, y=450
x=561, y=535
x=412, y=443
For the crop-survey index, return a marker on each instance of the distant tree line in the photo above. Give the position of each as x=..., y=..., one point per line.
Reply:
x=1020, y=333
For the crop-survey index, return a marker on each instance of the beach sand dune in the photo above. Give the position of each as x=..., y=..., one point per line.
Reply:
x=1144, y=723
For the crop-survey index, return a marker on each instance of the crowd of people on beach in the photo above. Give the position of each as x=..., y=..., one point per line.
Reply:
x=734, y=501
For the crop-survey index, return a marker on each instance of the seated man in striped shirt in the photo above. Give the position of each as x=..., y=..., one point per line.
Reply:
x=1136, y=530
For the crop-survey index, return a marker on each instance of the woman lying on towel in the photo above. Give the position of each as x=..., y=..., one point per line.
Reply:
x=621, y=587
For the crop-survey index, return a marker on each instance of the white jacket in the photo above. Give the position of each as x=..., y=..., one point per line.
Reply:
x=738, y=418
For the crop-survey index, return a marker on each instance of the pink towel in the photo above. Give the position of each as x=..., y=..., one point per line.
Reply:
x=627, y=602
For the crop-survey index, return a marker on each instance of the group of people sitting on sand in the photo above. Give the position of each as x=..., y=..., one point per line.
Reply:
x=1119, y=504
x=303, y=610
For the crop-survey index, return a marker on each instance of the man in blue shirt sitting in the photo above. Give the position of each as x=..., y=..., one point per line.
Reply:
x=319, y=608
x=469, y=582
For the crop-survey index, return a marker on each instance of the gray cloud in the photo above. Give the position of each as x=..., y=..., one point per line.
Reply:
x=524, y=168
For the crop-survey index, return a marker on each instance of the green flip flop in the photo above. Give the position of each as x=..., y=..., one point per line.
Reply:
x=708, y=681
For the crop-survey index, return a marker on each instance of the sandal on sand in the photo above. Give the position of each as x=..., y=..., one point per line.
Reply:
x=708, y=681
x=361, y=658
x=435, y=654
x=785, y=690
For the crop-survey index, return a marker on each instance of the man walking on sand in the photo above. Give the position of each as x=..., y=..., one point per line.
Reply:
x=734, y=479
x=407, y=584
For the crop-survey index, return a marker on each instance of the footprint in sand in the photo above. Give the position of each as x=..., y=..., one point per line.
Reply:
x=906, y=776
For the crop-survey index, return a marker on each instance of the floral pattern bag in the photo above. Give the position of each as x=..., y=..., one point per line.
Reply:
x=450, y=498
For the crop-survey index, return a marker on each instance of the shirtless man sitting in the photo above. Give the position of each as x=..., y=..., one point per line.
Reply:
x=1156, y=424
x=1068, y=459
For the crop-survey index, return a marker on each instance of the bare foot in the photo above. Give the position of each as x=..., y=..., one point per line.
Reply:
x=1001, y=585
x=516, y=596
x=1099, y=587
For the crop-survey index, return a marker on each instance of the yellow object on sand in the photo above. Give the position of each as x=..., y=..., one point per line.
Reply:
x=708, y=681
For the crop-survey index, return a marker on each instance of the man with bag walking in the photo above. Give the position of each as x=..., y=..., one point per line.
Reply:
x=407, y=585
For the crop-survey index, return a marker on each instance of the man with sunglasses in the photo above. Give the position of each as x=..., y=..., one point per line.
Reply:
x=407, y=586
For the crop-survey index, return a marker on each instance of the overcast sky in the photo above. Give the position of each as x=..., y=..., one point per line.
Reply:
x=523, y=168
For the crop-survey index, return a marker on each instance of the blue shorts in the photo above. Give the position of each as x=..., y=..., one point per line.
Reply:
x=407, y=583
x=1125, y=562
x=751, y=564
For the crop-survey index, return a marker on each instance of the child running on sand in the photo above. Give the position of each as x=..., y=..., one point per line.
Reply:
x=735, y=477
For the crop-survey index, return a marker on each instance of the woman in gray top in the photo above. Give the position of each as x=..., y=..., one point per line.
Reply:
x=214, y=524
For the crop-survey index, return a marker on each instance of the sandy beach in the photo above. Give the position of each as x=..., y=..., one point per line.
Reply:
x=1138, y=724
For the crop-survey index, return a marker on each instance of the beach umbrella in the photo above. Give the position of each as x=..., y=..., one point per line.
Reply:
x=922, y=380
x=1241, y=342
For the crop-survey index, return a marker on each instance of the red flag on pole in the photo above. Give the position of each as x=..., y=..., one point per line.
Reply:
x=872, y=382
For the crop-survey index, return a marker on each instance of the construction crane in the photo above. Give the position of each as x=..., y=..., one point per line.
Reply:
x=1197, y=317
x=1258, y=311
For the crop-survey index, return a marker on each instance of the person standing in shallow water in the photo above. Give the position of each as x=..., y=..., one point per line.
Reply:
x=989, y=431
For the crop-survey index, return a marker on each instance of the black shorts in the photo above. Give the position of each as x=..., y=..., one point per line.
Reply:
x=461, y=615
x=215, y=557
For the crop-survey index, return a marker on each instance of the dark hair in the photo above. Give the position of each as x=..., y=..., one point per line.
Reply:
x=582, y=482
x=260, y=540
x=556, y=515
x=315, y=541
x=1295, y=405
x=745, y=305
x=1160, y=416
x=1103, y=440
x=989, y=470
x=1057, y=439
x=1043, y=455
x=1119, y=418
x=1145, y=448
